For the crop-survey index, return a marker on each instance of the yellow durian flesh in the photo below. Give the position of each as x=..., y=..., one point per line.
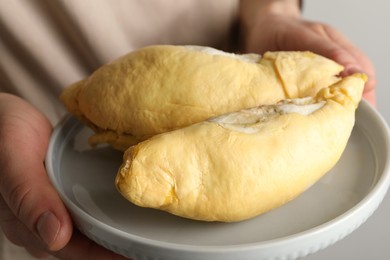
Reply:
x=161, y=88
x=217, y=171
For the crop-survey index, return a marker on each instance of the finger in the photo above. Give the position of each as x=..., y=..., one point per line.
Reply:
x=352, y=66
x=24, y=184
x=37, y=253
x=327, y=42
x=79, y=247
x=369, y=93
x=346, y=44
x=29, y=194
x=10, y=225
x=320, y=42
x=17, y=232
x=83, y=248
x=315, y=37
x=365, y=64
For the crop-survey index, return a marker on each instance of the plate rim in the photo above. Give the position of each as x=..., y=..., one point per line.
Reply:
x=381, y=186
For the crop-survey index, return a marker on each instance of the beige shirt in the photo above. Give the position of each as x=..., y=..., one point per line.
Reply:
x=46, y=45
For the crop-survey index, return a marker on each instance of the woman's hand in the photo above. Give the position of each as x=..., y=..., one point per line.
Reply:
x=276, y=25
x=32, y=214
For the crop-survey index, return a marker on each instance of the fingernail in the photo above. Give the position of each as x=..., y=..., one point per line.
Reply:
x=48, y=227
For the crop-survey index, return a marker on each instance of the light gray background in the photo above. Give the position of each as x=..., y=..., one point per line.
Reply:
x=367, y=24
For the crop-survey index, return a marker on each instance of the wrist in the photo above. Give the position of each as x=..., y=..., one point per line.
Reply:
x=251, y=10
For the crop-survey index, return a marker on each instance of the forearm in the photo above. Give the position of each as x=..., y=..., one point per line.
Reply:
x=251, y=9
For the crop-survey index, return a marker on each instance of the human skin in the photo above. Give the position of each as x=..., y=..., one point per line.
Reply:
x=32, y=214
x=272, y=25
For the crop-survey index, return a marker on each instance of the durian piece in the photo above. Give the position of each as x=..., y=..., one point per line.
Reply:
x=242, y=164
x=161, y=88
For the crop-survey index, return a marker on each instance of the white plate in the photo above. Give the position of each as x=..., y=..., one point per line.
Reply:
x=330, y=210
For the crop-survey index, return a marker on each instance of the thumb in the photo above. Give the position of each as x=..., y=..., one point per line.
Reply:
x=24, y=184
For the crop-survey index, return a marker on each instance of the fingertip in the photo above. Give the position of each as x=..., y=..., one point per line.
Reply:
x=53, y=231
x=48, y=228
x=64, y=235
x=52, y=223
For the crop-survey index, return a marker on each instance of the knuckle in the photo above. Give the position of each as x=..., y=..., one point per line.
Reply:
x=17, y=198
x=11, y=227
x=322, y=29
x=5, y=212
x=342, y=57
x=317, y=27
x=336, y=54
